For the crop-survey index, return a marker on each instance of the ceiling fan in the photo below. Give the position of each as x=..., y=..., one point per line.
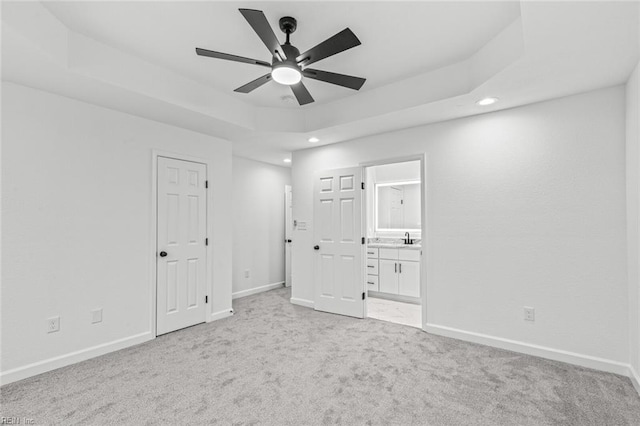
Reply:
x=288, y=65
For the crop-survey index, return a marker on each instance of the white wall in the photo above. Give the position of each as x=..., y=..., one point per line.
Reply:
x=633, y=217
x=525, y=207
x=412, y=213
x=395, y=172
x=258, y=224
x=76, y=234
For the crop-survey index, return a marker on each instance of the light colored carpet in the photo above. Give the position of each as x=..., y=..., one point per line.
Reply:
x=396, y=312
x=279, y=364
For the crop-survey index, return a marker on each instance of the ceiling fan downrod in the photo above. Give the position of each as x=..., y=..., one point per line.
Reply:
x=288, y=25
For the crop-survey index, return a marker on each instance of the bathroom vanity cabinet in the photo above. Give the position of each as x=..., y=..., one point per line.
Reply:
x=394, y=271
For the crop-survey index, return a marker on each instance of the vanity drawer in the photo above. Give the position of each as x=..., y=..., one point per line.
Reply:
x=409, y=254
x=389, y=253
x=372, y=252
x=372, y=266
x=372, y=283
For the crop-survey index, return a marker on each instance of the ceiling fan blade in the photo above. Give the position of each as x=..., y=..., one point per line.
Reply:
x=229, y=57
x=344, y=80
x=302, y=94
x=261, y=26
x=252, y=85
x=340, y=42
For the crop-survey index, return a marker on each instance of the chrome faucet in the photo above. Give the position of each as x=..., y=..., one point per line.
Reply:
x=407, y=240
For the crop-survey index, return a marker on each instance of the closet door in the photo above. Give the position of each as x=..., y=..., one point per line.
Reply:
x=181, y=251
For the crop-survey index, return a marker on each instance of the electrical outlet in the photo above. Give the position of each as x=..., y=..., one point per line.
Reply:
x=247, y=273
x=96, y=316
x=53, y=324
x=529, y=314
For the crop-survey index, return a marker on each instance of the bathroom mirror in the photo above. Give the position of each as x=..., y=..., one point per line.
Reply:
x=397, y=206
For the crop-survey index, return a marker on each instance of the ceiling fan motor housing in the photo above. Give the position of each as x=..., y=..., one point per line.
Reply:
x=287, y=71
x=291, y=52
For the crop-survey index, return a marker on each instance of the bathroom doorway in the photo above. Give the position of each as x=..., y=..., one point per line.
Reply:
x=393, y=222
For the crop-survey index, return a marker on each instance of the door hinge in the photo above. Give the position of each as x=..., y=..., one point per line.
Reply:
x=362, y=185
x=206, y=299
x=362, y=240
x=206, y=241
x=363, y=295
x=206, y=184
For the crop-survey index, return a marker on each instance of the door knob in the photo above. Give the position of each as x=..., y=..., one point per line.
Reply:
x=316, y=247
x=288, y=241
x=163, y=254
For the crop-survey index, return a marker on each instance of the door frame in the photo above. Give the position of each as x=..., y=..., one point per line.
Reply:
x=288, y=221
x=153, y=232
x=424, y=216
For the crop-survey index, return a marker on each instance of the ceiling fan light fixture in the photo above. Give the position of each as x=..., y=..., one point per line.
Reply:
x=286, y=74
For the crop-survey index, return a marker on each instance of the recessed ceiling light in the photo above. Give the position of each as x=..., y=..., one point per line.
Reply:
x=287, y=160
x=313, y=139
x=487, y=101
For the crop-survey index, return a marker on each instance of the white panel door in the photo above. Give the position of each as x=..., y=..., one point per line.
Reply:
x=181, y=250
x=288, y=233
x=340, y=284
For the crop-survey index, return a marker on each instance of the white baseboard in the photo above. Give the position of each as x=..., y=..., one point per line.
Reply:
x=530, y=349
x=302, y=302
x=40, y=367
x=256, y=290
x=50, y=364
x=219, y=315
x=635, y=378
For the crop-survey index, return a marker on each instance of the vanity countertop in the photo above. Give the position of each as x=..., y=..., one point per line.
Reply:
x=396, y=245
